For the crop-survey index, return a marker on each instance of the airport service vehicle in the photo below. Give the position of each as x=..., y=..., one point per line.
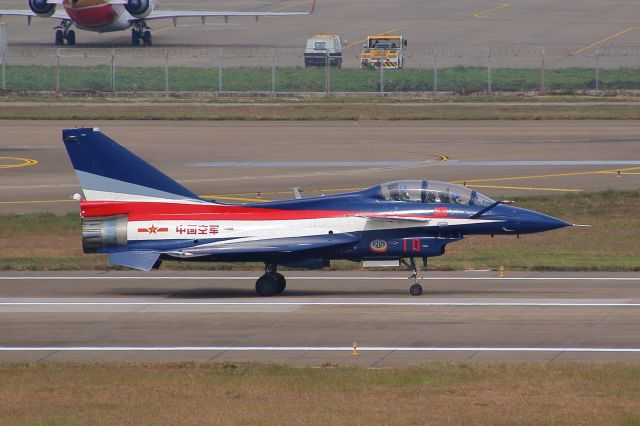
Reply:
x=323, y=47
x=104, y=16
x=140, y=217
x=386, y=51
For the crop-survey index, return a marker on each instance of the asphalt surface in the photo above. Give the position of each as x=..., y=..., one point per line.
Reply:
x=205, y=316
x=576, y=25
x=269, y=158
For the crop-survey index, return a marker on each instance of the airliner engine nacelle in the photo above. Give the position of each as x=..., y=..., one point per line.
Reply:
x=42, y=8
x=140, y=8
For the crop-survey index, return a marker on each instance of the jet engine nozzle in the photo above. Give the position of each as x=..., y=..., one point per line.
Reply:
x=101, y=233
x=140, y=8
x=42, y=8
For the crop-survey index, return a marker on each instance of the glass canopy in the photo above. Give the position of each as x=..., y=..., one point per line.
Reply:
x=432, y=191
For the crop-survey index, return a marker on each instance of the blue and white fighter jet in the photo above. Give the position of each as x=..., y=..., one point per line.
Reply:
x=140, y=217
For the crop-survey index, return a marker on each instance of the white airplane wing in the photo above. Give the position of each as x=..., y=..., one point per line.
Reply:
x=168, y=14
x=58, y=14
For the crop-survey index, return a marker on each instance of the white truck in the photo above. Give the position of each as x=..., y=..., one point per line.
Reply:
x=323, y=47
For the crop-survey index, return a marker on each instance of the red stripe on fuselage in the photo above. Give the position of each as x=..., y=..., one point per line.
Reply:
x=173, y=211
x=92, y=16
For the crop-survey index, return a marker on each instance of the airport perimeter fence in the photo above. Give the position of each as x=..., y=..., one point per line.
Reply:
x=435, y=69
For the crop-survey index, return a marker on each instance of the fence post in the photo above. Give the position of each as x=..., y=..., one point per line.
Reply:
x=327, y=73
x=435, y=73
x=3, y=53
x=381, y=66
x=273, y=72
x=166, y=71
x=58, y=72
x=220, y=67
x=113, y=71
x=597, y=69
x=489, y=77
x=542, y=88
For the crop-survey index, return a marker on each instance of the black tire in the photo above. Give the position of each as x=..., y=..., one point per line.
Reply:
x=135, y=38
x=59, y=38
x=282, y=283
x=415, y=290
x=146, y=39
x=71, y=38
x=267, y=286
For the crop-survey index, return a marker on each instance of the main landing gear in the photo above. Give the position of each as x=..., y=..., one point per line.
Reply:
x=63, y=33
x=271, y=283
x=140, y=32
x=416, y=288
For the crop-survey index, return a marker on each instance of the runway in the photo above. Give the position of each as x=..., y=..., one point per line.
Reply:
x=261, y=161
x=321, y=317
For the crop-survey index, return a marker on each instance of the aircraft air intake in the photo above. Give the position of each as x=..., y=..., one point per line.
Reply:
x=102, y=233
x=42, y=8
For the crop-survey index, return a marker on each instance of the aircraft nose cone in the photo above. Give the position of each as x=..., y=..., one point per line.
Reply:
x=541, y=222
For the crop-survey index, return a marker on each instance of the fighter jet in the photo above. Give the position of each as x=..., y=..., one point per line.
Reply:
x=104, y=16
x=140, y=217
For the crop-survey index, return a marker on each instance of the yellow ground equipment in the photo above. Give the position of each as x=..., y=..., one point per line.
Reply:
x=383, y=50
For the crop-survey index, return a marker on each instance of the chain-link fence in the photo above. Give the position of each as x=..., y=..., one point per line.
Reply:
x=428, y=68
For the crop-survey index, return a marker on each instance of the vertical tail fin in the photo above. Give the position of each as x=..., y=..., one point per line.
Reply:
x=109, y=172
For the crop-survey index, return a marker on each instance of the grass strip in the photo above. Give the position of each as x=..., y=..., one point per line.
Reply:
x=314, y=112
x=48, y=242
x=459, y=79
x=246, y=393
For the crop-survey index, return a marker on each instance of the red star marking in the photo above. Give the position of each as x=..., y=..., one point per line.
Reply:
x=153, y=230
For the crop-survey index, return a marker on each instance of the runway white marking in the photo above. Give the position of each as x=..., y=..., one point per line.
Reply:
x=304, y=349
x=333, y=303
x=314, y=278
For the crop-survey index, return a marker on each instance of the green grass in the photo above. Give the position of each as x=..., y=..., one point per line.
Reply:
x=247, y=393
x=321, y=111
x=460, y=79
x=50, y=242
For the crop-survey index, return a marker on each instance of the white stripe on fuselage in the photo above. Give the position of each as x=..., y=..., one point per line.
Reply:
x=256, y=230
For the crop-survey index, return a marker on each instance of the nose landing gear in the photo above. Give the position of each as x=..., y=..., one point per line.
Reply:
x=416, y=288
x=271, y=283
x=141, y=32
x=63, y=33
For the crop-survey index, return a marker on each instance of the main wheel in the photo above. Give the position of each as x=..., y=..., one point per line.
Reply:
x=415, y=290
x=146, y=38
x=135, y=38
x=282, y=283
x=71, y=38
x=267, y=285
x=59, y=38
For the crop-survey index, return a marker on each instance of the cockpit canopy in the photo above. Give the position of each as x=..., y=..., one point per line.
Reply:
x=432, y=191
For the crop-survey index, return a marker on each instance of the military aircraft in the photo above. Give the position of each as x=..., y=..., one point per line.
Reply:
x=140, y=217
x=104, y=16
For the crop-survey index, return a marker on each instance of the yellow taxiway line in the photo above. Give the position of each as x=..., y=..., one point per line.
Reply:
x=21, y=162
x=526, y=188
x=595, y=172
x=493, y=9
x=357, y=42
x=604, y=40
x=476, y=183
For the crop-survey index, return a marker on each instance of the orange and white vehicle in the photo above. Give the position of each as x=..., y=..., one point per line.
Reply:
x=104, y=16
x=386, y=51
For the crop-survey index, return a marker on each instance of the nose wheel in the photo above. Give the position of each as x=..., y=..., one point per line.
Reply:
x=140, y=32
x=65, y=34
x=416, y=288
